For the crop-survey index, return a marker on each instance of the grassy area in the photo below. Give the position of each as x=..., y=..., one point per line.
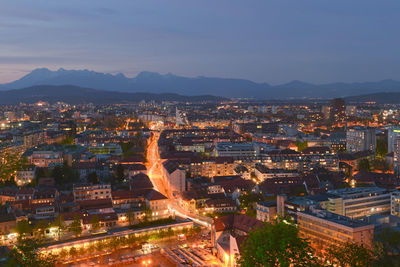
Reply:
x=153, y=223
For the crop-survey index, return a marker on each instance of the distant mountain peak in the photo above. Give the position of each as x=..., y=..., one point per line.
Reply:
x=148, y=74
x=39, y=70
x=154, y=82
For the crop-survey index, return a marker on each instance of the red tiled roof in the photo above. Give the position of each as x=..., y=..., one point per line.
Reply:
x=155, y=195
x=236, y=221
x=141, y=181
x=124, y=194
x=69, y=216
x=103, y=217
x=95, y=204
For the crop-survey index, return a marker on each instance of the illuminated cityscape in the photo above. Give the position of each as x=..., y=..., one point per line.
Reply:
x=211, y=166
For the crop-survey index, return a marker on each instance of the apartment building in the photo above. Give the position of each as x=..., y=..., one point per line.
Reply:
x=361, y=139
x=175, y=177
x=25, y=175
x=325, y=229
x=91, y=191
x=46, y=158
x=361, y=201
x=262, y=173
x=209, y=167
x=395, y=204
x=266, y=211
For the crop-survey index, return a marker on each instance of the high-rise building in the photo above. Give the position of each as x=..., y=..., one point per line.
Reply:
x=396, y=156
x=393, y=133
x=360, y=139
x=326, y=111
x=338, y=110
x=351, y=110
x=181, y=118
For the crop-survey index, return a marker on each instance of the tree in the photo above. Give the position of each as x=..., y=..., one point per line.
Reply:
x=59, y=223
x=276, y=244
x=119, y=173
x=247, y=201
x=63, y=253
x=381, y=148
x=64, y=174
x=350, y=254
x=76, y=226
x=40, y=173
x=131, y=240
x=381, y=164
x=248, y=198
x=40, y=228
x=95, y=223
x=67, y=140
x=10, y=162
x=114, y=243
x=387, y=247
x=363, y=165
x=92, y=178
x=301, y=145
x=23, y=228
x=26, y=253
x=73, y=252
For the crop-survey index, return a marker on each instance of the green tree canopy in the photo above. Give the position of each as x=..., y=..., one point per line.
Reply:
x=23, y=228
x=381, y=148
x=363, y=165
x=59, y=223
x=387, y=248
x=301, y=145
x=95, y=223
x=350, y=255
x=76, y=226
x=64, y=174
x=10, y=162
x=40, y=228
x=119, y=173
x=276, y=244
x=26, y=253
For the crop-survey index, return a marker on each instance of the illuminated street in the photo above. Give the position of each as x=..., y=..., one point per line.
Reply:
x=155, y=172
x=156, y=175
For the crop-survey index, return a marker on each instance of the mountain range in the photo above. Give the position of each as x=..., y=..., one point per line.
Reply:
x=156, y=83
x=77, y=95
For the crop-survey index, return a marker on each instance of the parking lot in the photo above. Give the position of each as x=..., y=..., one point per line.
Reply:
x=190, y=256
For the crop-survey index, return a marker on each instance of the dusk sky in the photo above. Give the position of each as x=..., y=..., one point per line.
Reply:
x=272, y=41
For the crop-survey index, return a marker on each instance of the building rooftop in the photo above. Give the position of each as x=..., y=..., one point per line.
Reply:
x=267, y=203
x=335, y=218
x=357, y=192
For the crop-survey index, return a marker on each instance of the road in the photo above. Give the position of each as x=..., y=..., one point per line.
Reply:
x=155, y=172
x=156, y=175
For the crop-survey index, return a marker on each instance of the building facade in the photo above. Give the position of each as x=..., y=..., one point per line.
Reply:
x=89, y=191
x=360, y=139
x=325, y=229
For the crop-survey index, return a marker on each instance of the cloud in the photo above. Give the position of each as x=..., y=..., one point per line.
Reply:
x=33, y=59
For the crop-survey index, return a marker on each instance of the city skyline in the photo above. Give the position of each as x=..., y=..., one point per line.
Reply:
x=199, y=133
